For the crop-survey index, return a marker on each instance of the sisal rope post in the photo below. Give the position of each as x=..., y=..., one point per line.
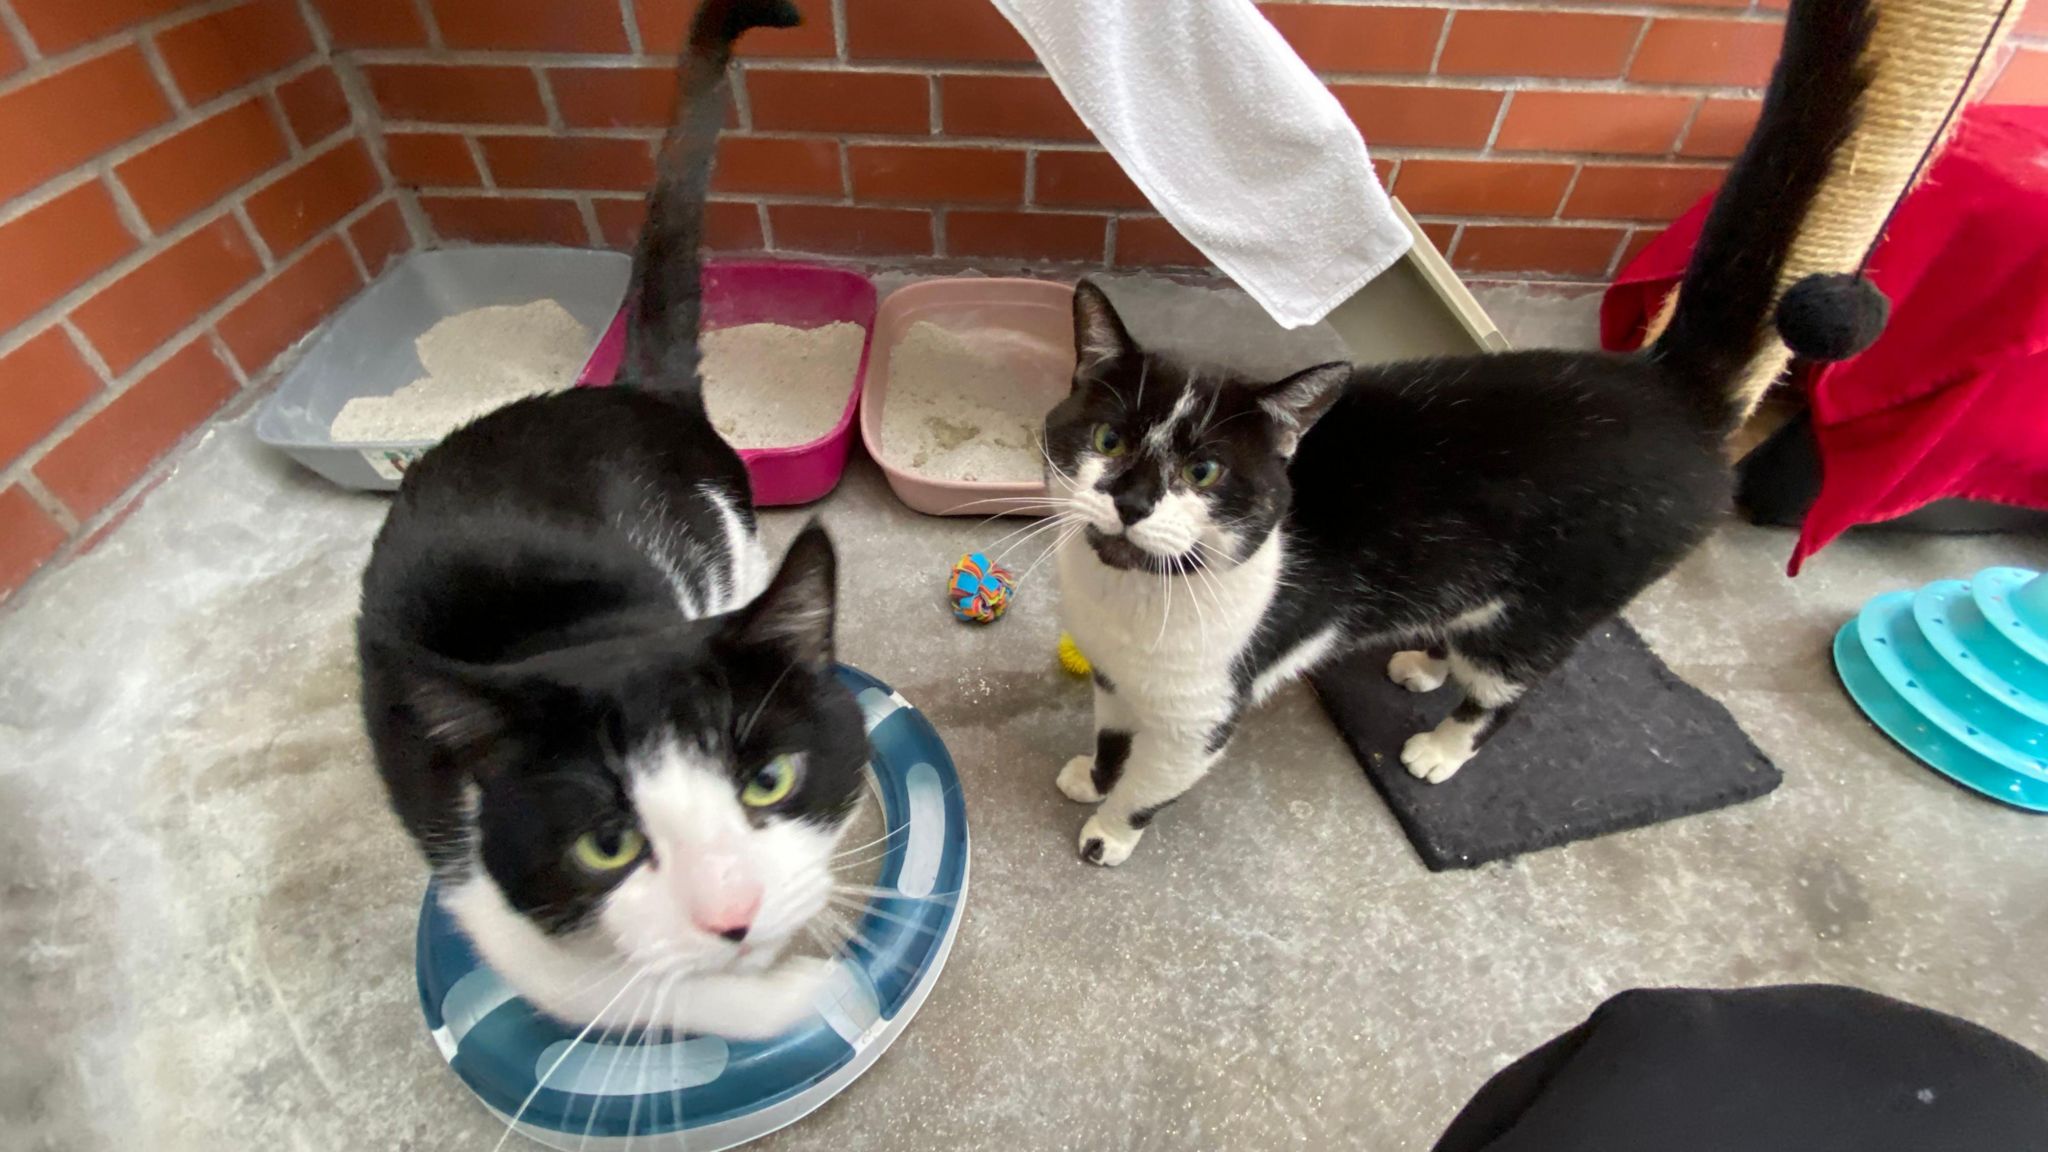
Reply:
x=1920, y=54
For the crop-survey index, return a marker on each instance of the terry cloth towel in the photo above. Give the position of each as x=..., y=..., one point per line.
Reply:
x=1231, y=138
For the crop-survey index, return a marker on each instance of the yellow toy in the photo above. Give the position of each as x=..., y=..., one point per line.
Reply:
x=1071, y=660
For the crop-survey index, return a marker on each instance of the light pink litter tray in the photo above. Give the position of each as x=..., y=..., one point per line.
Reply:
x=775, y=292
x=1035, y=308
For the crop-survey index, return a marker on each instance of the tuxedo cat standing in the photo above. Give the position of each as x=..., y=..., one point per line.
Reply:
x=1229, y=535
x=612, y=729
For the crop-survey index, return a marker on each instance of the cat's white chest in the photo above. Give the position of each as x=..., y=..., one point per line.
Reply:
x=1165, y=635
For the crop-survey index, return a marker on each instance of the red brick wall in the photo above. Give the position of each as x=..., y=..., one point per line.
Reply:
x=189, y=186
x=183, y=194
x=1531, y=140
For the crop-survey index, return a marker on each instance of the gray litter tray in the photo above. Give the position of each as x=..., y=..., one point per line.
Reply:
x=368, y=349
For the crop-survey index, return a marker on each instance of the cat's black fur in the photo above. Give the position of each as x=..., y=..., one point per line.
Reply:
x=518, y=639
x=1536, y=492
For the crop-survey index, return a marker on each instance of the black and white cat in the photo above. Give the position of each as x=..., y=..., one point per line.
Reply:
x=1229, y=535
x=612, y=728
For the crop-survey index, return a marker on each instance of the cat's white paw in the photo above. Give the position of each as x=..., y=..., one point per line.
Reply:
x=785, y=996
x=1102, y=845
x=1436, y=756
x=1417, y=671
x=1077, y=780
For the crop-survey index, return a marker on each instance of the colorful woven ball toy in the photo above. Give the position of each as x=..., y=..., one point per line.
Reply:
x=979, y=590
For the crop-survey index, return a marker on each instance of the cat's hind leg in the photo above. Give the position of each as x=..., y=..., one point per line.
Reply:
x=1421, y=670
x=1494, y=665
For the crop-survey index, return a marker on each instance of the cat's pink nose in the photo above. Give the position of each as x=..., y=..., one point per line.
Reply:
x=730, y=914
x=721, y=892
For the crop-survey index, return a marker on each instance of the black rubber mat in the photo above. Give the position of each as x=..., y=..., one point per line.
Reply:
x=1613, y=740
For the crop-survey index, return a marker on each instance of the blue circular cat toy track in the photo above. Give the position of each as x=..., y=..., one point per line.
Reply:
x=701, y=1092
x=1957, y=673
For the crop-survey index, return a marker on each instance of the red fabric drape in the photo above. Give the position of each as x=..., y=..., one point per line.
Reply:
x=1952, y=401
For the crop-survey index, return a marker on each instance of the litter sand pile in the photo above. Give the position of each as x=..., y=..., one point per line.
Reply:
x=476, y=361
x=773, y=386
x=971, y=406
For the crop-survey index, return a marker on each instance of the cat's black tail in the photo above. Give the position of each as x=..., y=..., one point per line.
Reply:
x=661, y=331
x=1723, y=318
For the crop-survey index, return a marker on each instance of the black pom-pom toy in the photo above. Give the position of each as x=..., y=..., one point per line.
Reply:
x=1832, y=316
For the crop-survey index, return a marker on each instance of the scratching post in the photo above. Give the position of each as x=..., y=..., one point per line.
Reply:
x=1922, y=54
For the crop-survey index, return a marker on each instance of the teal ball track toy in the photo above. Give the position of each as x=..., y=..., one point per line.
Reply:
x=1957, y=673
x=568, y=1090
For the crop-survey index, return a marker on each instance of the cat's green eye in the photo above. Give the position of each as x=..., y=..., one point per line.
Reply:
x=610, y=850
x=1108, y=441
x=772, y=784
x=1202, y=473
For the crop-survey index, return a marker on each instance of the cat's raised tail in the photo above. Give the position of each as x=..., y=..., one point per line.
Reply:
x=661, y=331
x=1723, y=318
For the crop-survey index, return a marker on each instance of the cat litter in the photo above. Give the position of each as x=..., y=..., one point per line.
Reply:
x=476, y=361
x=955, y=411
x=774, y=386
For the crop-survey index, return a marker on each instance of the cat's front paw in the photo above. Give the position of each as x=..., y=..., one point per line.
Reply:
x=1106, y=845
x=783, y=998
x=1077, y=780
x=1434, y=756
x=1417, y=671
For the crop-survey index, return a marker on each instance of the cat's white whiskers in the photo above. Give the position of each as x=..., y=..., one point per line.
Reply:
x=1046, y=524
x=647, y=1041
x=892, y=893
x=1058, y=544
x=618, y=1051
x=875, y=841
x=542, y=1083
x=866, y=909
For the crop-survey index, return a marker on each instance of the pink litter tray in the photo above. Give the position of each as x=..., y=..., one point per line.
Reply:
x=774, y=292
x=1034, y=308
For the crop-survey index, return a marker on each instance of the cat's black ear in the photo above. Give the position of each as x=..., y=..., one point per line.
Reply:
x=1099, y=333
x=796, y=613
x=1296, y=403
x=460, y=710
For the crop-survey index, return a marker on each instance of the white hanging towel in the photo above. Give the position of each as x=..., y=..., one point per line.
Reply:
x=1231, y=138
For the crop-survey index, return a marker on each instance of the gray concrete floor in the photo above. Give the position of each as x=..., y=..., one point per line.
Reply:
x=206, y=913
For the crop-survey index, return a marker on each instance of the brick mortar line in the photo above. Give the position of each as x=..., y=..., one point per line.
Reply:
x=841, y=37
x=1614, y=261
x=1031, y=146
x=1509, y=82
x=12, y=26
x=1443, y=37
x=586, y=207
x=424, y=9
x=43, y=65
x=275, y=102
x=52, y=507
x=1486, y=221
x=742, y=102
x=109, y=159
x=86, y=351
x=630, y=17
x=1685, y=130
x=323, y=38
x=176, y=343
x=233, y=201
x=1571, y=185
x=367, y=124
x=226, y=356
x=785, y=199
x=477, y=157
